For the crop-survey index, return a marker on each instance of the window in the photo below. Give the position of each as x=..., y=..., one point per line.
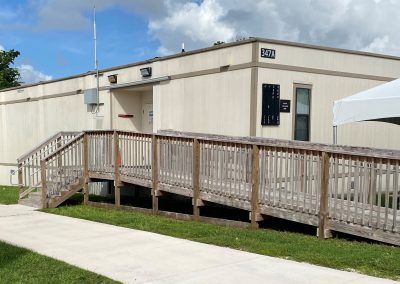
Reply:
x=302, y=114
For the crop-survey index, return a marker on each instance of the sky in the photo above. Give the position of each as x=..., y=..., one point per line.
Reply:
x=55, y=37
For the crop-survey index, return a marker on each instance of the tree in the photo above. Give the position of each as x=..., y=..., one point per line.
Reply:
x=9, y=76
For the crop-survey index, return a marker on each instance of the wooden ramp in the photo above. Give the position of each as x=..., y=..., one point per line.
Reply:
x=346, y=189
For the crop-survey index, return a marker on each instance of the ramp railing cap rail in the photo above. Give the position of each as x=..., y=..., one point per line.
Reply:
x=389, y=154
x=46, y=142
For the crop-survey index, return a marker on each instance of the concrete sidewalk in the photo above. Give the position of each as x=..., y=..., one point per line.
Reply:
x=133, y=256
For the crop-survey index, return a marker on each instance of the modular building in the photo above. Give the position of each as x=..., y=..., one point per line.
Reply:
x=255, y=87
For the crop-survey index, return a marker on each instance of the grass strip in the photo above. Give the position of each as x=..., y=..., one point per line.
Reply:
x=19, y=265
x=368, y=258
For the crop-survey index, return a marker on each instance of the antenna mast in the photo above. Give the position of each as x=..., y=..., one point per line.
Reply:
x=96, y=62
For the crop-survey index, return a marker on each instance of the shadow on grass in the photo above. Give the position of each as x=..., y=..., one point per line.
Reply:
x=9, y=254
x=19, y=265
x=179, y=204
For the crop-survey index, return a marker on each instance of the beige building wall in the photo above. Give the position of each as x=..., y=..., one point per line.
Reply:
x=31, y=114
x=235, y=55
x=129, y=102
x=217, y=103
x=325, y=90
x=24, y=125
x=332, y=60
x=331, y=75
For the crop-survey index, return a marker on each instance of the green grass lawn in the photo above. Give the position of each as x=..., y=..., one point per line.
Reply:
x=8, y=194
x=18, y=265
x=372, y=259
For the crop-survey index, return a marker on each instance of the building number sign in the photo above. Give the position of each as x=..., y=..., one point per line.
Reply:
x=268, y=53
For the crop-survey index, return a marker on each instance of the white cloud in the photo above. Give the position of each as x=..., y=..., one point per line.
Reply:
x=192, y=23
x=29, y=75
x=355, y=24
x=379, y=44
x=2, y=47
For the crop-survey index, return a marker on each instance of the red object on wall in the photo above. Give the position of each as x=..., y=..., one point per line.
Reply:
x=125, y=115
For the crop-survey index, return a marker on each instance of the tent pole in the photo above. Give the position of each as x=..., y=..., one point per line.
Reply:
x=335, y=134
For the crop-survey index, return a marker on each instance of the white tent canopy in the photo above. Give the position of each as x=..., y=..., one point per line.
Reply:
x=381, y=103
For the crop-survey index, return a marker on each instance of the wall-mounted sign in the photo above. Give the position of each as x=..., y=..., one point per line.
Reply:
x=285, y=106
x=125, y=115
x=270, y=104
x=268, y=53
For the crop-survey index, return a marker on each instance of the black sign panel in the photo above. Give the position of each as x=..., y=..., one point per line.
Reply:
x=285, y=106
x=270, y=104
x=268, y=53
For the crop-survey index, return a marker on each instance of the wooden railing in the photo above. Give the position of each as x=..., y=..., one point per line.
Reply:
x=226, y=171
x=135, y=155
x=347, y=189
x=290, y=179
x=62, y=168
x=29, y=175
x=101, y=153
x=364, y=191
x=175, y=168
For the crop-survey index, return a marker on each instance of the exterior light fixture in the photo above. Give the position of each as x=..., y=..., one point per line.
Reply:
x=146, y=72
x=113, y=79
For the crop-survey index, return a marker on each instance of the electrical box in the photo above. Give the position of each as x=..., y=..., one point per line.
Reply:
x=91, y=97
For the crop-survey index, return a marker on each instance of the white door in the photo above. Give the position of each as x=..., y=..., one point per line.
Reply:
x=147, y=118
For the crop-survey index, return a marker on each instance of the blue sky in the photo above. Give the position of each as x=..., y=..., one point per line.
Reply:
x=122, y=37
x=55, y=37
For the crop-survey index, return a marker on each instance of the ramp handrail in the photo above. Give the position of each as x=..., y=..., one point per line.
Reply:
x=29, y=174
x=62, y=168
